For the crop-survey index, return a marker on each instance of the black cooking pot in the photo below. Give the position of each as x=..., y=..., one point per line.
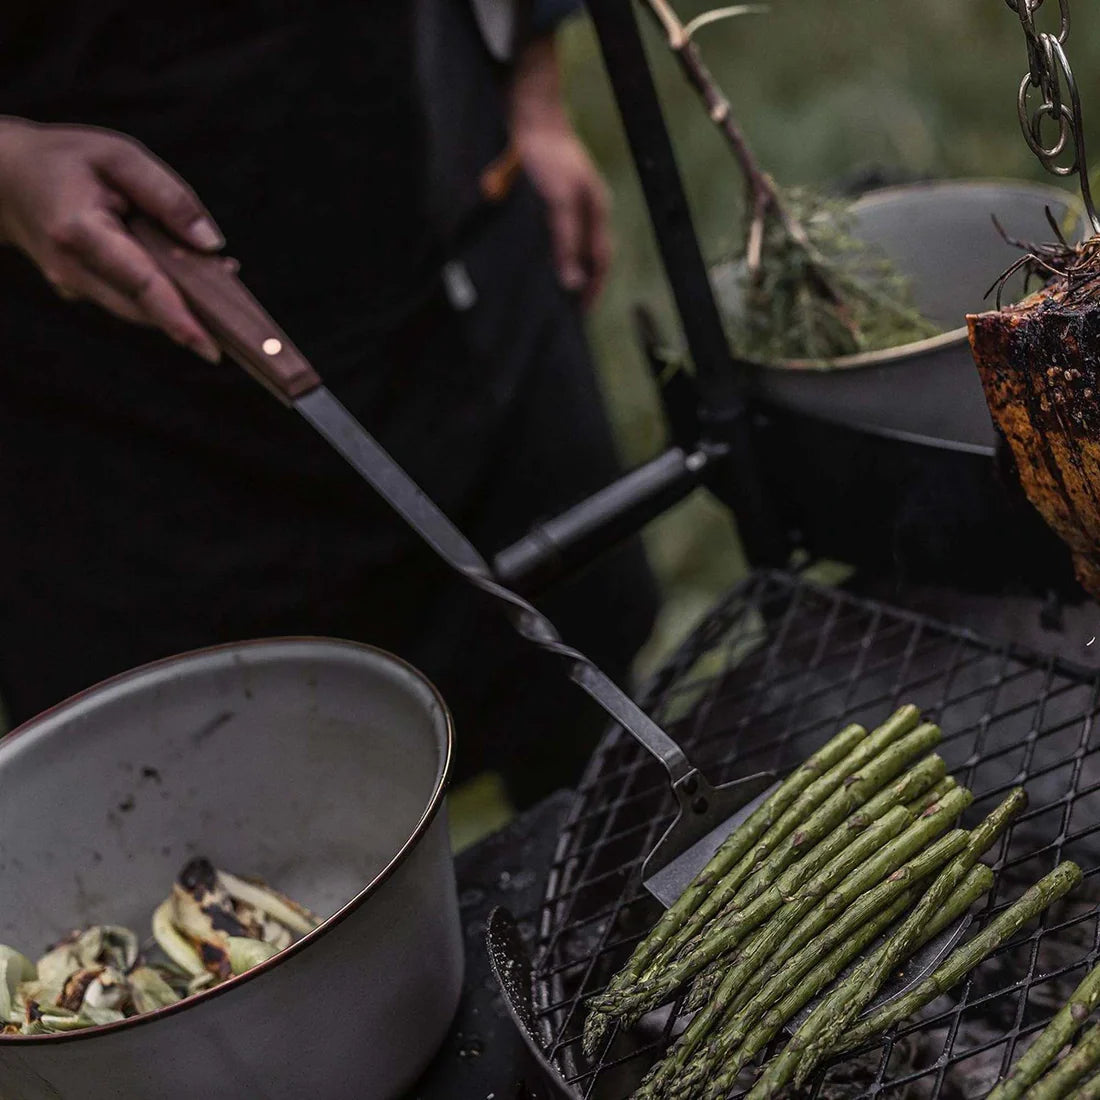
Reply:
x=890, y=460
x=916, y=513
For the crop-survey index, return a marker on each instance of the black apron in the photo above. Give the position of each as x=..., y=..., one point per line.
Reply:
x=151, y=503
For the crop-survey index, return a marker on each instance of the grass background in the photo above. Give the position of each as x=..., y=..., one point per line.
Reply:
x=826, y=90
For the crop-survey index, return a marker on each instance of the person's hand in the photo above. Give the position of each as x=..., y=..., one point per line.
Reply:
x=64, y=191
x=577, y=205
x=562, y=172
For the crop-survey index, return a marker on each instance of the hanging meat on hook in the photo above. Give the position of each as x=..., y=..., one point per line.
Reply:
x=1039, y=363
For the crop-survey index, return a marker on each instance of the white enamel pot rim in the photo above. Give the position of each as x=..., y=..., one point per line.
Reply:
x=432, y=808
x=953, y=338
x=939, y=234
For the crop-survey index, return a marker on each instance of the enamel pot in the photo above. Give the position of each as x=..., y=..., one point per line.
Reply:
x=319, y=766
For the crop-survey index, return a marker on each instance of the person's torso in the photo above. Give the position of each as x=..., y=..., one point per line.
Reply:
x=298, y=122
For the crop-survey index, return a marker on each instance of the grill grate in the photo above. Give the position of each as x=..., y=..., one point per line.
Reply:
x=774, y=670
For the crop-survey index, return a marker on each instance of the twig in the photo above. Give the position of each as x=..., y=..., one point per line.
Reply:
x=709, y=17
x=800, y=300
x=763, y=196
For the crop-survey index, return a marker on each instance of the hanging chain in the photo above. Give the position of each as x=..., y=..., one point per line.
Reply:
x=1050, y=79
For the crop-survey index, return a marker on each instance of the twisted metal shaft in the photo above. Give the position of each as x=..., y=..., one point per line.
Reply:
x=417, y=509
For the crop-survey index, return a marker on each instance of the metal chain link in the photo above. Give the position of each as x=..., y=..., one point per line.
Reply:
x=1049, y=74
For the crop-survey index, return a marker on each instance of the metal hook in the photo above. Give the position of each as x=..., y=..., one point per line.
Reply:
x=1050, y=72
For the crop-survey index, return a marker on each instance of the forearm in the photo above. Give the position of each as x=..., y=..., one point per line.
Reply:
x=535, y=96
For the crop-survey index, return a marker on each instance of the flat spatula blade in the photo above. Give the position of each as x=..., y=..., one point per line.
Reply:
x=667, y=884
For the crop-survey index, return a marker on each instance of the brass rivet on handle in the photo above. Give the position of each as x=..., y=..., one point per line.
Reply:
x=272, y=346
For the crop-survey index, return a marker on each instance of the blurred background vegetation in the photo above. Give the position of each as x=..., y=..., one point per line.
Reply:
x=827, y=92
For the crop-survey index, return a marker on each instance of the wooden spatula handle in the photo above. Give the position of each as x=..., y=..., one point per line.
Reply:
x=234, y=318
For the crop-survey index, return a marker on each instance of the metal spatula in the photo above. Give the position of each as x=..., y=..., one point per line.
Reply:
x=707, y=814
x=242, y=327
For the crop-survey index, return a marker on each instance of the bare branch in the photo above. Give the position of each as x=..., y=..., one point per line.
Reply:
x=719, y=14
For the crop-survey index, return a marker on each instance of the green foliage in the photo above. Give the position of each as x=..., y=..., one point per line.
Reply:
x=838, y=297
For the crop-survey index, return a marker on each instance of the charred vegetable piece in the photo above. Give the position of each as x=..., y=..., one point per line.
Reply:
x=56, y=967
x=278, y=906
x=57, y=1019
x=15, y=969
x=195, y=924
x=108, y=990
x=212, y=926
x=149, y=991
x=107, y=945
x=72, y=996
x=94, y=1017
x=220, y=924
x=178, y=949
x=276, y=935
x=32, y=1019
x=244, y=953
x=197, y=891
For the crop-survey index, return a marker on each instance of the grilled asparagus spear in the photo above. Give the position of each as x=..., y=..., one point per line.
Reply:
x=819, y=1033
x=769, y=824
x=1055, y=1035
x=976, y=883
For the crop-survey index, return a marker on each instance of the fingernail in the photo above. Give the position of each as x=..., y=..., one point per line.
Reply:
x=204, y=234
x=204, y=348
